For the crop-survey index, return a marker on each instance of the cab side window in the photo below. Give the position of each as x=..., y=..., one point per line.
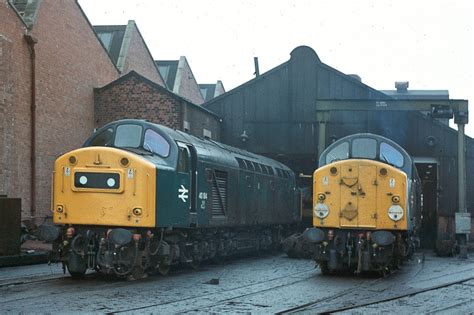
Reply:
x=103, y=139
x=183, y=160
x=155, y=143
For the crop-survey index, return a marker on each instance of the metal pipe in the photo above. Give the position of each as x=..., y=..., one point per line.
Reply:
x=322, y=117
x=462, y=188
x=461, y=170
x=321, y=138
x=31, y=41
x=257, y=70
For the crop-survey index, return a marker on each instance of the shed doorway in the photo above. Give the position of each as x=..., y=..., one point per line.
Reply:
x=428, y=172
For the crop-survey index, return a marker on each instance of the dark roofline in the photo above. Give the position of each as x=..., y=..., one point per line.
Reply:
x=347, y=77
x=12, y=6
x=108, y=27
x=96, y=36
x=440, y=124
x=155, y=86
x=353, y=80
x=234, y=90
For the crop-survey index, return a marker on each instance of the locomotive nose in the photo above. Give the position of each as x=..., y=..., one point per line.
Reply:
x=104, y=186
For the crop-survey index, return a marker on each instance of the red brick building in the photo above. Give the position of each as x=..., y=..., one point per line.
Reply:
x=128, y=50
x=50, y=62
x=134, y=96
x=180, y=79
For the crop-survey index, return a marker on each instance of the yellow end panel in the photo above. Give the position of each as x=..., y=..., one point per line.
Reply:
x=349, y=183
x=390, y=185
x=367, y=195
x=327, y=183
x=128, y=199
x=358, y=195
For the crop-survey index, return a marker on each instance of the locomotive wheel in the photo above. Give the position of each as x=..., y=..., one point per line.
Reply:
x=324, y=268
x=76, y=266
x=194, y=264
x=76, y=274
x=163, y=269
x=218, y=259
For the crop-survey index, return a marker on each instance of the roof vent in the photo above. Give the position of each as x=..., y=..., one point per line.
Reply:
x=401, y=86
x=355, y=76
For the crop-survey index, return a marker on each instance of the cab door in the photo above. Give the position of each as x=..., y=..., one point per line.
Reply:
x=367, y=195
x=186, y=181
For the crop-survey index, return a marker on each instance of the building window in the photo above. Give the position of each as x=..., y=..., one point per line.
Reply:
x=164, y=70
x=204, y=93
x=186, y=126
x=106, y=39
x=207, y=133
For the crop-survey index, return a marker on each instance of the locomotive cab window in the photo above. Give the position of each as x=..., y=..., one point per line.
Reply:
x=155, y=143
x=128, y=136
x=340, y=152
x=183, y=160
x=391, y=155
x=103, y=139
x=365, y=148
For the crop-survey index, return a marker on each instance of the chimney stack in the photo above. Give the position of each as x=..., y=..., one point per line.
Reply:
x=401, y=86
x=257, y=71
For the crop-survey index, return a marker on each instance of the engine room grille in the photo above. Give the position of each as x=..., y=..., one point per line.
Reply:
x=219, y=193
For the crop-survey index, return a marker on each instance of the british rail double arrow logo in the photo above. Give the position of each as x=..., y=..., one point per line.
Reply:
x=183, y=193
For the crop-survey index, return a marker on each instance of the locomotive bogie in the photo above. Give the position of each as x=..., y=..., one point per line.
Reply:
x=358, y=250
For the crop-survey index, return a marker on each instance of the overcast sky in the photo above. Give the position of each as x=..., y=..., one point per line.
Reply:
x=428, y=43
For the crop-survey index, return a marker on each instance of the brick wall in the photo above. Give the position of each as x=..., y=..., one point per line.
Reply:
x=138, y=57
x=70, y=62
x=199, y=120
x=185, y=83
x=133, y=96
x=15, y=84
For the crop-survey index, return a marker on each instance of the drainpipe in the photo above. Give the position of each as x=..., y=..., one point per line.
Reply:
x=31, y=41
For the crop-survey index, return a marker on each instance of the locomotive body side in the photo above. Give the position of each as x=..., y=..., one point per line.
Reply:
x=141, y=197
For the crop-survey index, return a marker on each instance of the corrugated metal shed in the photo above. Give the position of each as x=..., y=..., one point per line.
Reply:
x=277, y=110
x=275, y=115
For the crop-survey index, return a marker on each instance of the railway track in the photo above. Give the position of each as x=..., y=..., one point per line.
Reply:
x=30, y=280
x=235, y=293
x=313, y=307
